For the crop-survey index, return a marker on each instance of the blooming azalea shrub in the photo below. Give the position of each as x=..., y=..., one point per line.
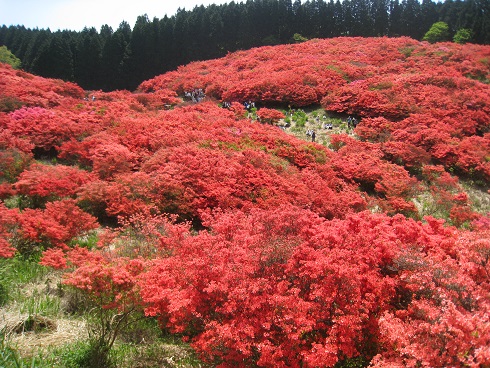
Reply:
x=159, y=99
x=238, y=109
x=50, y=182
x=363, y=163
x=244, y=76
x=33, y=230
x=111, y=294
x=442, y=305
x=408, y=155
x=44, y=128
x=450, y=202
x=12, y=163
x=438, y=139
x=55, y=226
x=269, y=116
x=472, y=155
x=7, y=224
x=11, y=141
x=111, y=284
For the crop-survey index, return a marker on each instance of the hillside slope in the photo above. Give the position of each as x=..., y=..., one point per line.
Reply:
x=255, y=246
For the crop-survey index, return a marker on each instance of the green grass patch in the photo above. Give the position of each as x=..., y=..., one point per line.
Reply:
x=18, y=271
x=381, y=86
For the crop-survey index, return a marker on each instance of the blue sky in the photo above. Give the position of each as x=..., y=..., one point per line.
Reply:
x=76, y=14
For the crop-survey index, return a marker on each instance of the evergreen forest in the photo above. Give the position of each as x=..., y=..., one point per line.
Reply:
x=111, y=59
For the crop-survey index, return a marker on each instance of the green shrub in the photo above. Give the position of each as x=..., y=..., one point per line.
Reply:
x=16, y=271
x=463, y=36
x=439, y=32
x=298, y=38
x=7, y=57
x=82, y=354
x=357, y=362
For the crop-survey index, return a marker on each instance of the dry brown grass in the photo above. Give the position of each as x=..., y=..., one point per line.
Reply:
x=30, y=335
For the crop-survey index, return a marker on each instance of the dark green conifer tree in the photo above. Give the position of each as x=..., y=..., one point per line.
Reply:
x=36, y=44
x=380, y=16
x=395, y=22
x=87, y=59
x=55, y=58
x=113, y=58
x=410, y=19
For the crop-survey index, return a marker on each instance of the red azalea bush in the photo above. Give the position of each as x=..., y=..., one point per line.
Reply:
x=44, y=127
x=362, y=163
x=269, y=116
x=282, y=288
x=33, y=230
x=12, y=163
x=54, y=226
x=7, y=225
x=160, y=99
x=51, y=181
x=443, y=305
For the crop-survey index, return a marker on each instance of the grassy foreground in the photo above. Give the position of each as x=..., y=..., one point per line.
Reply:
x=46, y=324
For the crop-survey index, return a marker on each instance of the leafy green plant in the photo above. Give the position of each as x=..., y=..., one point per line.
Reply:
x=76, y=355
x=7, y=57
x=40, y=303
x=8, y=356
x=407, y=50
x=437, y=33
x=298, y=38
x=357, y=362
x=88, y=240
x=463, y=35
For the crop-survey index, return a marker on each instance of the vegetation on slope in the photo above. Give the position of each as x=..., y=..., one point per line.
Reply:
x=178, y=205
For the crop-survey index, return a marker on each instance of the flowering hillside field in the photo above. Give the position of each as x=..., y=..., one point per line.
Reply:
x=256, y=247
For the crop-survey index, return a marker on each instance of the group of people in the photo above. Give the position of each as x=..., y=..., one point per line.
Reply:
x=90, y=98
x=196, y=95
x=249, y=105
x=351, y=122
x=311, y=133
x=327, y=126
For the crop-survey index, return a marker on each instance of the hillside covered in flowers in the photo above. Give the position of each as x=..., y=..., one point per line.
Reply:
x=259, y=248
